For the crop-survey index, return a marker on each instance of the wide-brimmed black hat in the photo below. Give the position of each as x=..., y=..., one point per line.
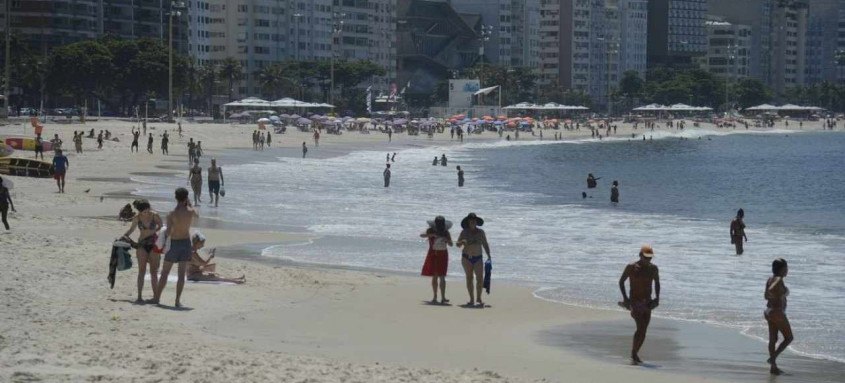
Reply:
x=478, y=220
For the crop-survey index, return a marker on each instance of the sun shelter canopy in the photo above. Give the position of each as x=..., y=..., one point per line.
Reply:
x=248, y=102
x=762, y=108
x=783, y=108
x=548, y=106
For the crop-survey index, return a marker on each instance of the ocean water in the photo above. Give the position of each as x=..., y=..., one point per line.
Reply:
x=678, y=195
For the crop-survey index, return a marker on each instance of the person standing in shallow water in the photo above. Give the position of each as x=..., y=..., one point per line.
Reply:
x=195, y=180
x=460, y=177
x=443, y=160
x=387, y=176
x=641, y=274
x=437, y=259
x=775, y=314
x=738, y=231
x=614, y=192
x=304, y=150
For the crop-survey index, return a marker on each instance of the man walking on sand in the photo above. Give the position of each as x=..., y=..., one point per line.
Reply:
x=60, y=166
x=179, y=232
x=641, y=274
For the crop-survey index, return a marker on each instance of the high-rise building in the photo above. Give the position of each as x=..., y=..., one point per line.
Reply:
x=676, y=32
x=778, y=38
x=47, y=24
x=729, y=49
x=434, y=42
x=551, y=31
x=840, y=45
x=821, y=44
x=259, y=33
x=633, y=32
x=515, y=37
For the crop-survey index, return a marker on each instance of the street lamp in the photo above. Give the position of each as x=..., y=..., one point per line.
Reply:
x=483, y=36
x=337, y=28
x=175, y=10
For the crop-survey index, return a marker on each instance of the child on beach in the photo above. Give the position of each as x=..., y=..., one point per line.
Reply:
x=437, y=258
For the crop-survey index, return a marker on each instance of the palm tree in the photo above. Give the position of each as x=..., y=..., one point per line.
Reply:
x=232, y=70
x=272, y=79
x=207, y=78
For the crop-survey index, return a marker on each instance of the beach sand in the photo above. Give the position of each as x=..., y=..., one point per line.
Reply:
x=296, y=323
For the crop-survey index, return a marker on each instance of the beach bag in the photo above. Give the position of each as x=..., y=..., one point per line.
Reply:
x=222, y=191
x=161, y=245
x=124, y=259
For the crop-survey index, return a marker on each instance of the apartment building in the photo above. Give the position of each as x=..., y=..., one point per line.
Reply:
x=47, y=24
x=728, y=53
x=789, y=37
x=676, y=32
x=515, y=25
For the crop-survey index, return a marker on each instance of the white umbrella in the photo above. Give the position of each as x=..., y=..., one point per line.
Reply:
x=263, y=120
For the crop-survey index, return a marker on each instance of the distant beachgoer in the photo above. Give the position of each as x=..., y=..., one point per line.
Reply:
x=148, y=223
x=316, y=138
x=39, y=146
x=389, y=135
x=268, y=139
x=304, y=150
x=460, y=177
x=387, y=176
x=215, y=180
x=508, y=138
x=77, y=142
x=60, y=166
x=165, y=139
x=150, y=144
x=443, y=160
x=135, y=134
x=775, y=314
x=591, y=181
x=5, y=203
x=393, y=157
x=435, y=161
x=202, y=269
x=195, y=180
x=614, y=192
x=57, y=143
x=642, y=274
x=179, y=232
x=584, y=195
x=387, y=157
x=179, y=128
x=437, y=258
x=198, y=153
x=261, y=141
x=473, y=240
x=738, y=231
x=191, y=150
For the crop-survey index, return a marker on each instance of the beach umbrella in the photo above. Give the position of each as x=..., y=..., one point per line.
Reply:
x=362, y=119
x=295, y=116
x=264, y=120
x=283, y=115
x=303, y=121
x=316, y=117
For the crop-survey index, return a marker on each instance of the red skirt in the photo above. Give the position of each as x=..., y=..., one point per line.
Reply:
x=436, y=263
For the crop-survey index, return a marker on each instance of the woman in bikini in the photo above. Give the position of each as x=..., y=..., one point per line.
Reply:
x=148, y=223
x=775, y=314
x=473, y=241
x=437, y=259
x=195, y=180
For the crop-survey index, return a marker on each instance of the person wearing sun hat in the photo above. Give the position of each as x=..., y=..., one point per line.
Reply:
x=472, y=240
x=642, y=274
x=437, y=259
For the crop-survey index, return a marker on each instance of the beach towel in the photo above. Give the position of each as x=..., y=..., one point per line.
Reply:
x=488, y=273
x=119, y=260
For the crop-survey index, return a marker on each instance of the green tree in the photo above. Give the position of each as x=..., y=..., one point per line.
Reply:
x=231, y=70
x=750, y=92
x=83, y=70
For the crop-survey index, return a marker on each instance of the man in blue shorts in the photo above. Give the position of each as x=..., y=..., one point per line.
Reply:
x=179, y=232
x=60, y=165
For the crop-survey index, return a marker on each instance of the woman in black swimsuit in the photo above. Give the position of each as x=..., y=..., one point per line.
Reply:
x=148, y=223
x=473, y=242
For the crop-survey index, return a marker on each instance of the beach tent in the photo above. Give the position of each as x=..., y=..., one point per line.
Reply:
x=762, y=108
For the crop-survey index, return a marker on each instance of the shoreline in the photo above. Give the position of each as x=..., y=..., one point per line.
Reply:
x=289, y=322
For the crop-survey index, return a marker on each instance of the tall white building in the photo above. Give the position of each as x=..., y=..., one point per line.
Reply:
x=633, y=44
x=551, y=32
x=729, y=49
x=259, y=33
x=515, y=40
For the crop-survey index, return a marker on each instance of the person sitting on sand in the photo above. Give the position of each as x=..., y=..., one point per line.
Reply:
x=642, y=274
x=437, y=259
x=202, y=269
x=473, y=240
x=148, y=223
x=775, y=314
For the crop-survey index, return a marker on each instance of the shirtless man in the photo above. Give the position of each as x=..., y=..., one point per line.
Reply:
x=641, y=273
x=179, y=232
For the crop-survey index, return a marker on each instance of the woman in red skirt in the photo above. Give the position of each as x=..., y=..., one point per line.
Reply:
x=437, y=259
